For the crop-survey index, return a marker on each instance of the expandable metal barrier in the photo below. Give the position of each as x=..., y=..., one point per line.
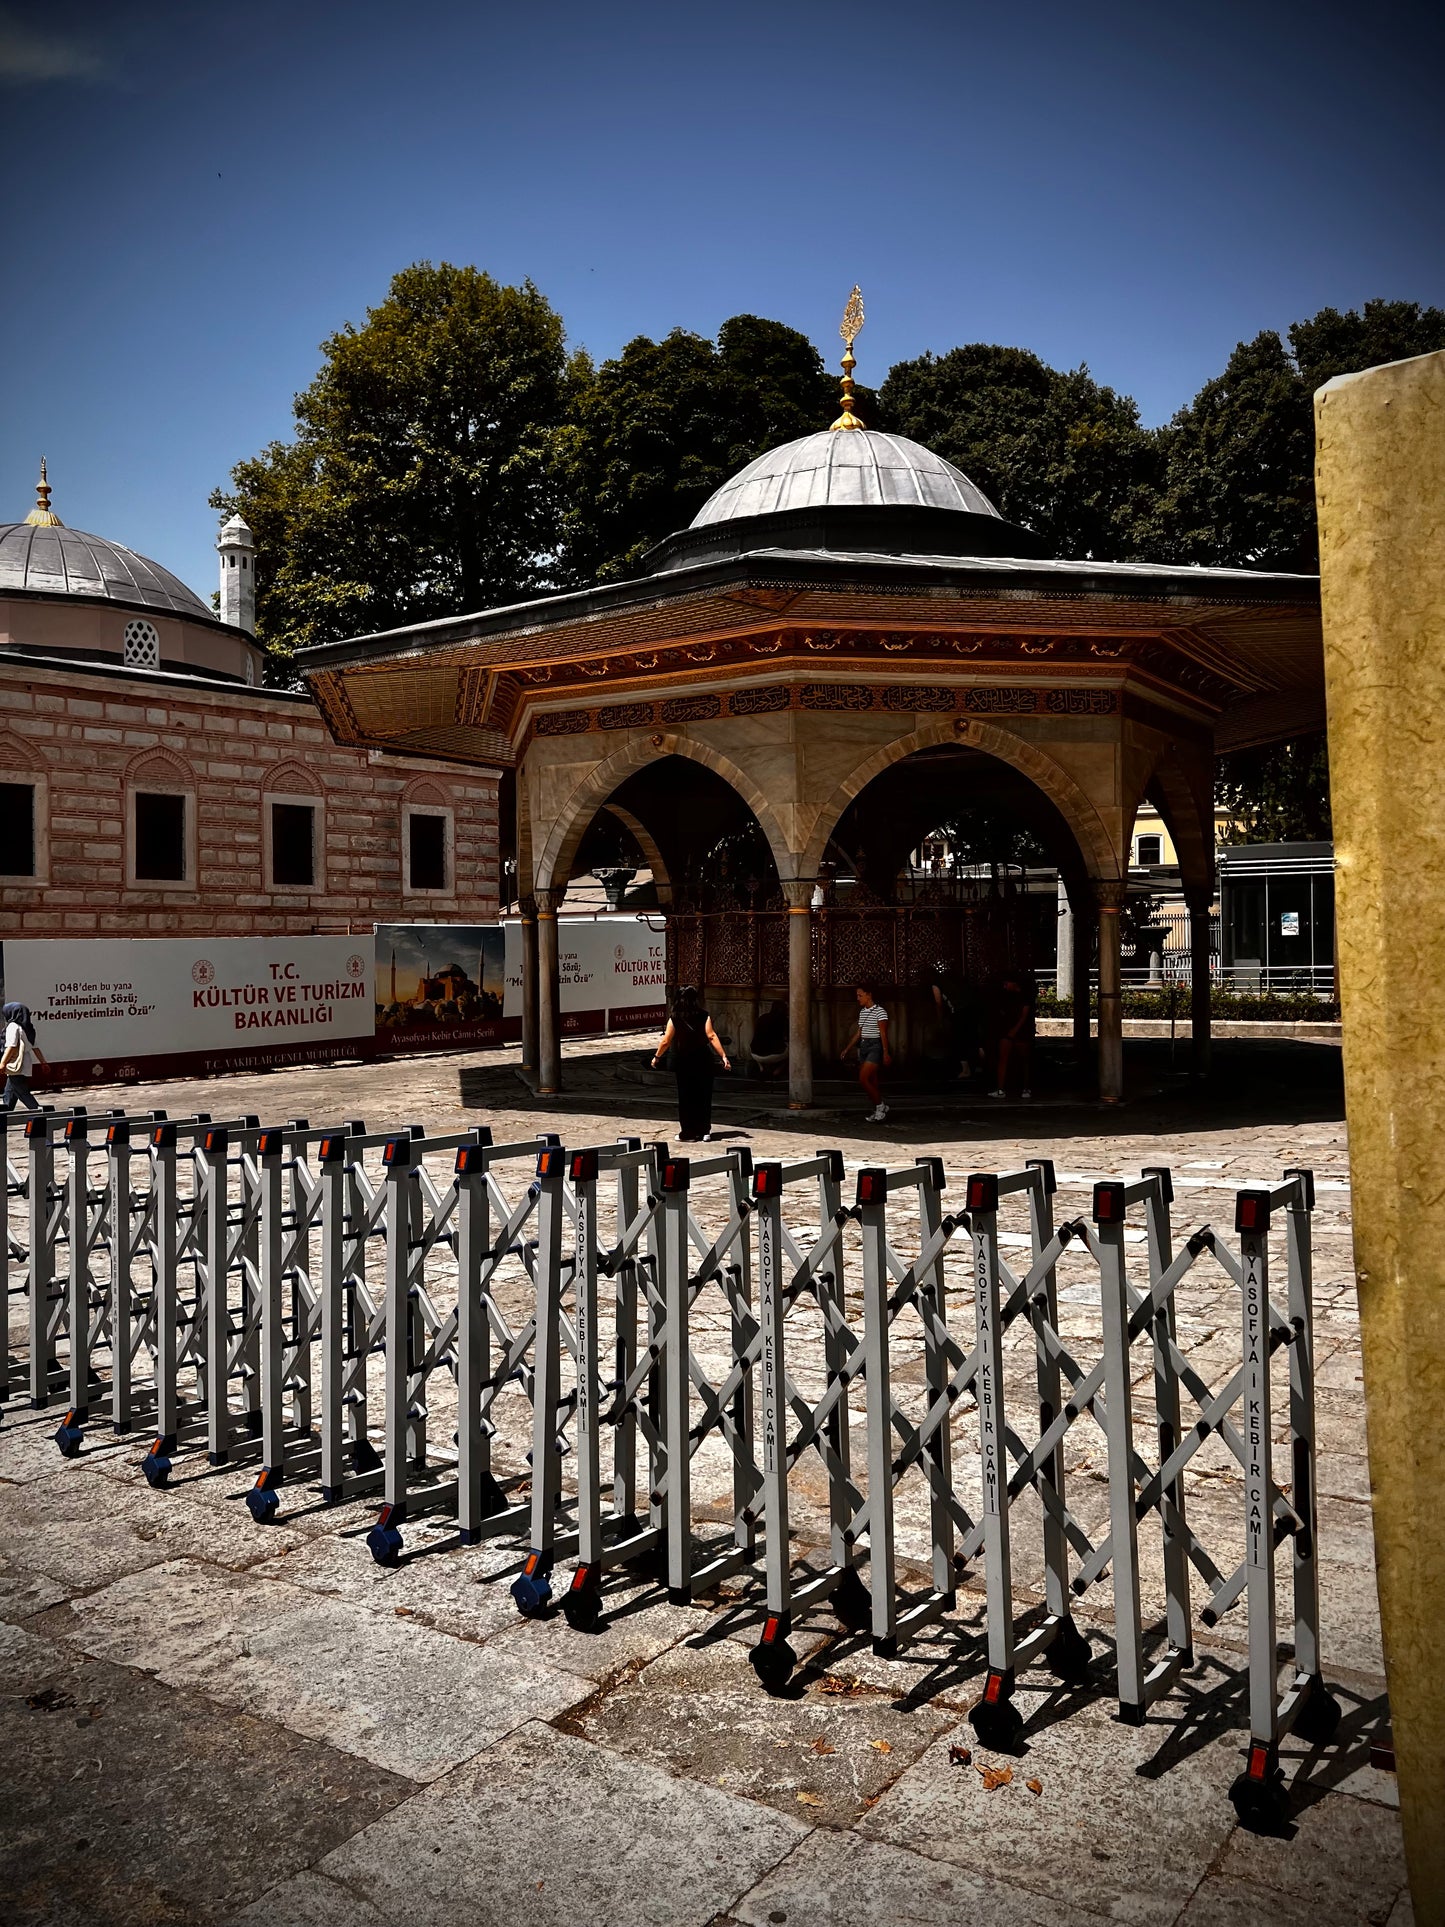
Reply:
x=229, y=1286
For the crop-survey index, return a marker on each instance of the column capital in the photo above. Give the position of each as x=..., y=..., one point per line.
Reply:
x=799, y=891
x=549, y=899
x=527, y=909
x=1109, y=894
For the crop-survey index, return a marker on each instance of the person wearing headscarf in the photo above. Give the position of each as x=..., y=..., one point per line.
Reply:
x=19, y=1058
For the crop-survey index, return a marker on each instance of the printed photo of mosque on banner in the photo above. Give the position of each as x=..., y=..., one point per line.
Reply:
x=438, y=985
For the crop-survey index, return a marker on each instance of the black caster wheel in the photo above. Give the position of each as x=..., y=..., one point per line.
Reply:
x=384, y=1545
x=533, y=1594
x=1319, y=1718
x=262, y=1504
x=998, y=1724
x=851, y=1602
x=582, y=1608
x=1069, y=1655
x=69, y=1438
x=1262, y=1804
x=773, y=1662
x=157, y=1469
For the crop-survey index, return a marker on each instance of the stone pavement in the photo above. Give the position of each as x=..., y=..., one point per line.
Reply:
x=208, y=1722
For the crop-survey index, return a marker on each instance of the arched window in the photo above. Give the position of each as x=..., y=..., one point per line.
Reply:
x=142, y=645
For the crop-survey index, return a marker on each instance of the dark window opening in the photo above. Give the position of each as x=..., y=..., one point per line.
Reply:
x=160, y=838
x=1151, y=850
x=17, y=829
x=428, y=851
x=293, y=844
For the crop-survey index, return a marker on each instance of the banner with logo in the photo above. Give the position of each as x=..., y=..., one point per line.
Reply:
x=134, y=1007
x=613, y=973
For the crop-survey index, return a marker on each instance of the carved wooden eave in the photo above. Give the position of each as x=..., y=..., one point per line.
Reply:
x=1213, y=647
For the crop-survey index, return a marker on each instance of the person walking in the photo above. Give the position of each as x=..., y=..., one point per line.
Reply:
x=870, y=1040
x=696, y=1050
x=19, y=1058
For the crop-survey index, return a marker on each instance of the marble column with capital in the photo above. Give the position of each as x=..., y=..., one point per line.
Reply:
x=528, y=909
x=1109, y=900
x=549, y=991
x=799, y=893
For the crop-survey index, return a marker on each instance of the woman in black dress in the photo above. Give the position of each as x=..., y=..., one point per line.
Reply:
x=695, y=1050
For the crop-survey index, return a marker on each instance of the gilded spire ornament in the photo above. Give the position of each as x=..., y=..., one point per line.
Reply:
x=42, y=516
x=850, y=327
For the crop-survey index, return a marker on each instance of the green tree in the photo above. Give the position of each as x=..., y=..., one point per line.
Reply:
x=423, y=479
x=664, y=423
x=1238, y=485
x=1280, y=794
x=1052, y=450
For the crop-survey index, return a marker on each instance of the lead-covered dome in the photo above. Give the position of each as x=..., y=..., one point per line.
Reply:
x=856, y=468
x=56, y=561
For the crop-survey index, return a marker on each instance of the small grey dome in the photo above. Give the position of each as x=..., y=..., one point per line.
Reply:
x=844, y=468
x=65, y=562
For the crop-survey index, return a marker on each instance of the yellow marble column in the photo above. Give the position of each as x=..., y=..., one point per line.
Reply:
x=1380, y=478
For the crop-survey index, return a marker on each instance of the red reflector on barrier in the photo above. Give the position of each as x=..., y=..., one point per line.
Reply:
x=550, y=1161
x=271, y=1144
x=768, y=1181
x=676, y=1174
x=1109, y=1207
x=1251, y=1211
x=982, y=1192
x=771, y=1629
x=1258, y=1768
x=584, y=1167
x=872, y=1186
x=469, y=1158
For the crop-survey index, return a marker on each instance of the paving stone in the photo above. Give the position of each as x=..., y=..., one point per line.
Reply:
x=86, y=1531
x=847, y=1882
x=128, y=1802
x=28, y=1449
x=1345, y=1853
x=465, y=1592
x=1225, y=1903
x=547, y=1830
x=1126, y=1843
x=310, y=1900
x=701, y=1710
x=23, y=1593
x=397, y=1694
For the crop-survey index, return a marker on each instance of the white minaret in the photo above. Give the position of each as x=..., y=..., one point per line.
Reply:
x=237, y=549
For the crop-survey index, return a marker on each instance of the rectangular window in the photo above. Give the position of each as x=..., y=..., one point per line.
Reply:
x=426, y=850
x=160, y=838
x=1151, y=851
x=293, y=845
x=17, y=829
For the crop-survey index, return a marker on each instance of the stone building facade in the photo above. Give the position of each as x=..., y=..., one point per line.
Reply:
x=150, y=786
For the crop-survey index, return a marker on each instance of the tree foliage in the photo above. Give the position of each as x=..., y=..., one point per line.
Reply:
x=666, y=422
x=424, y=478
x=1279, y=794
x=1052, y=450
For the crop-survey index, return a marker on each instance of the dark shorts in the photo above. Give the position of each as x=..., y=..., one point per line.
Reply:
x=870, y=1050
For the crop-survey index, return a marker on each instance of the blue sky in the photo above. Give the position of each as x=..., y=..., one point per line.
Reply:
x=197, y=195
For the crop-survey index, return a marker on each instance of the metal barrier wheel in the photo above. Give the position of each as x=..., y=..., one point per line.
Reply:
x=157, y=1467
x=773, y=1659
x=998, y=1724
x=69, y=1438
x=532, y=1588
x=383, y=1542
x=582, y=1601
x=263, y=1505
x=1261, y=1800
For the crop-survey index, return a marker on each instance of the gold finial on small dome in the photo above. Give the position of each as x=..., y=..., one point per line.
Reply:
x=850, y=327
x=42, y=516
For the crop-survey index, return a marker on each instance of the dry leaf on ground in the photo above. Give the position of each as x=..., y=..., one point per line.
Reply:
x=822, y=1746
x=959, y=1756
x=881, y=1746
x=1035, y=1787
x=811, y=1800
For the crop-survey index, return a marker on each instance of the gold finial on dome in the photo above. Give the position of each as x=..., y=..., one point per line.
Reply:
x=850, y=327
x=42, y=516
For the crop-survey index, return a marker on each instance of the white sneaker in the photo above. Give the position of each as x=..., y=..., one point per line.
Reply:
x=880, y=1113
x=998, y=1093
x=874, y=1116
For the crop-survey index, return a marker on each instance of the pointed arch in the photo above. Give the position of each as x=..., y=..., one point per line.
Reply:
x=1100, y=856
x=553, y=865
